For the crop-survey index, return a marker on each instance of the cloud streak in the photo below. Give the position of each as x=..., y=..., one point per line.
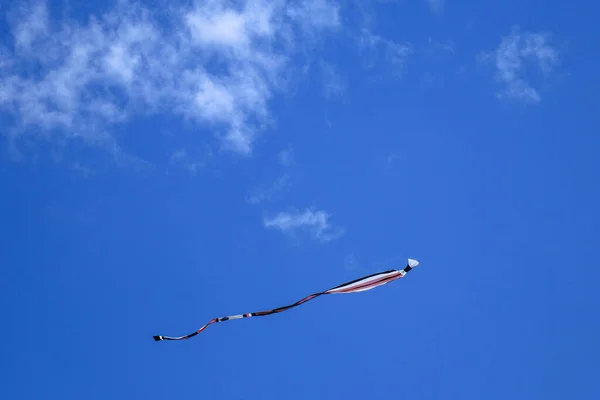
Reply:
x=214, y=63
x=314, y=222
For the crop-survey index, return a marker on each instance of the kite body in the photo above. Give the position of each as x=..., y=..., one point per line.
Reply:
x=358, y=285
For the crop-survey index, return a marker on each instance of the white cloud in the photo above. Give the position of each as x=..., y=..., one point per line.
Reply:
x=510, y=58
x=314, y=222
x=218, y=27
x=216, y=63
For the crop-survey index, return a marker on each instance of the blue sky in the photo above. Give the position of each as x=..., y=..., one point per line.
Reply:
x=166, y=163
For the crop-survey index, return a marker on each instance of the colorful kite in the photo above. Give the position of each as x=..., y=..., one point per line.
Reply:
x=357, y=285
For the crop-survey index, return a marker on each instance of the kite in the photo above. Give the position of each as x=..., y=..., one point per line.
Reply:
x=358, y=285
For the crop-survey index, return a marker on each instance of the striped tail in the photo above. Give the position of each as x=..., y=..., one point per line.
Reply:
x=358, y=285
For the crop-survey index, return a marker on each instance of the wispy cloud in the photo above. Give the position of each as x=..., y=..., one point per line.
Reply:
x=333, y=83
x=285, y=157
x=266, y=192
x=436, y=6
x=440, y=47
x=182, y=158
x=381, y=56
x=377, y=50
x=351, y=263
x=215, y=63
x=392, y=157
x=82, y=169
x=314, y=222
x=514, y=51
x=314, y=15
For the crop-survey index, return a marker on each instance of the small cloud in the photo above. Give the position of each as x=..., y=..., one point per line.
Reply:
x=285, y=157
x=82, y=170
x=392, y=157
x=391, y=53
x=183, y=159
x=315, y=15
x=436, y=6
x=437, y=47
x=351, y=263
x=220, y=26
x=314, y=222
x=264, y=193
x=514, y=51
x=333, y=84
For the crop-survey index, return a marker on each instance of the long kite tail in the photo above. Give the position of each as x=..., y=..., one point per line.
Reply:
x=358, y=285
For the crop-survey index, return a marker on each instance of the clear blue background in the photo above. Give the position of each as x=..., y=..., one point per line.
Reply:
x=497, y=199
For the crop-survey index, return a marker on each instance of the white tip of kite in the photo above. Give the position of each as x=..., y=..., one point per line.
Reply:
x=412, y=263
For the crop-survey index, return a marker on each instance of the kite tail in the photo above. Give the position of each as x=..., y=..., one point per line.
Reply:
x=357, y=285
x=160, y=337
x=247, y=315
